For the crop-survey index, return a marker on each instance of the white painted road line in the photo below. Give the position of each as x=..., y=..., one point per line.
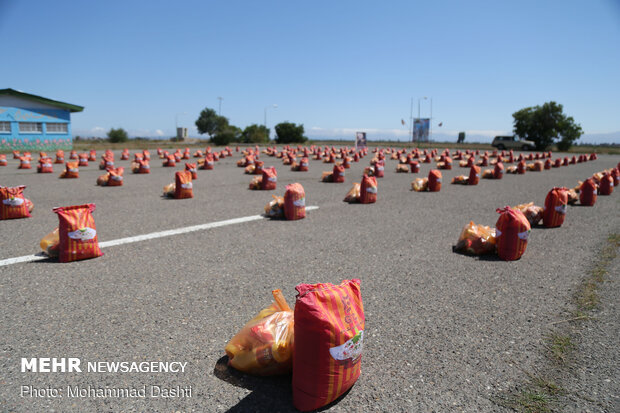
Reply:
x=153, y=235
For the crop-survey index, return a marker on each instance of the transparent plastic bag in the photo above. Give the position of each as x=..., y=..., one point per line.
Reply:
x=264, y=346
x=354, y=193
x=49, y=243
x=275, y=208
x=476, y=239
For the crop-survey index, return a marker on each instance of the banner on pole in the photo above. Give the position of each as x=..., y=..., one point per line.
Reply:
x=421, y=127
x=360, y=140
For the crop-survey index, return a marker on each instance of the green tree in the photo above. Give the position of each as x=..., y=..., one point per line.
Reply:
x=209, y=122
x=255, y=134
x=545, y=125
x=227, y=135
x=288, y=132
x=117, y=135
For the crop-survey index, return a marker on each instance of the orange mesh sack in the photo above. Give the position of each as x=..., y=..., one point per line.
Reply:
x=434, y=180
x=264, y=346
x=329, y=338
x=294, y=202
x=270, y=179
x=183, y=185
x=513, y=230
x=368, y=190
x=554, y=210
x=13, y=204
x=77, y=233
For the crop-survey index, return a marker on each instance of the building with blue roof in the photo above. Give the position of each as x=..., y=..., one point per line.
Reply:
x=34, y=123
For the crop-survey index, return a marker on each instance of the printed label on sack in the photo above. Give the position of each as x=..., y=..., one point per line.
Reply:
x=117, y=178
x=13, y=201
x=524, y=235
x=192, y=170
x=83, y=234
x=46, y=165
x=272, y=179
x=439, y=180
x=300, y=202
x=187, y=185
x=351, y=349
x=145, y=166
x=371, y=189
x=304, y=164
x=110, y=163
x=83, y=159
x=74, y=170
x=561, y=209
x=26, y=162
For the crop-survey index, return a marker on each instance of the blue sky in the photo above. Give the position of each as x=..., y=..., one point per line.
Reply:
x=334, y=66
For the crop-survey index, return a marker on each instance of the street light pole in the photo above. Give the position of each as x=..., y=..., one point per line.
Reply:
x=431, y=121
x=220, y=110
x=265, y=120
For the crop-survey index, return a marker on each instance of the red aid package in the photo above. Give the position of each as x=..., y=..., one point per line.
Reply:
x=368, y=190
x=512, y=232
x=270, y=178
x=555, y=207
x=294, y=202
x=329, y=339
x=191, y=167
x=588, y=192
x=13, y=204
x=77, y=233
x=338, y=173
x=183, y=185
x=434, y=180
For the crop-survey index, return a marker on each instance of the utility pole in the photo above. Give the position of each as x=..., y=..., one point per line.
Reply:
x=220, y=110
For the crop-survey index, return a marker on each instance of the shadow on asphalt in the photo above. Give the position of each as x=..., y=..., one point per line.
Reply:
x=269, y=394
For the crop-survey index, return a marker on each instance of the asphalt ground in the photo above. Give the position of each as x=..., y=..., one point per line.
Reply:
x=444, y=331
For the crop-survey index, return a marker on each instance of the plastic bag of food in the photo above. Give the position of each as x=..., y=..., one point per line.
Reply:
x=419, y=184
x=275, y=208
x=512, y=232
x=474, y=175
x=554, y=210
x=264, y=346
x=354, y=193
x=460, y=179
x=49, y=243
x=256, y=182
x=476, y=240
x=13, y=204
x=329, y=340
x=294, y=202
x=77, y=233
x=532, y=212
x=402, y=168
